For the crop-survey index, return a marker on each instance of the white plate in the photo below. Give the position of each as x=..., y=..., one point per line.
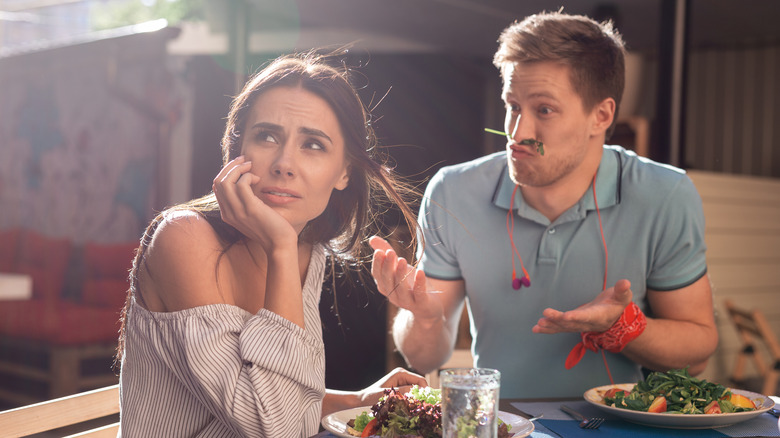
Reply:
x=679, y=421
x=337, y=423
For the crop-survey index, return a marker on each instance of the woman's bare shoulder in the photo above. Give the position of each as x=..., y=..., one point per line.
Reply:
x=179, y=226
x=181, y=263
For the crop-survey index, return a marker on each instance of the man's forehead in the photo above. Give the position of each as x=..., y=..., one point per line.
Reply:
x=535, y=77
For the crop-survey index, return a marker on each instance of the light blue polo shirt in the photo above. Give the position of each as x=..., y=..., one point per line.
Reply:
x=654, y=229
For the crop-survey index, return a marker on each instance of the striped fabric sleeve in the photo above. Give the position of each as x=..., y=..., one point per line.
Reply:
x=254, y=375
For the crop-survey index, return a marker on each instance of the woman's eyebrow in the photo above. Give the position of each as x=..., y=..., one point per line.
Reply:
x=267, y=125
x=314, y=132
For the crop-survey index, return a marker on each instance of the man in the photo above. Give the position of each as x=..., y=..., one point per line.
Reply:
x=560, y=245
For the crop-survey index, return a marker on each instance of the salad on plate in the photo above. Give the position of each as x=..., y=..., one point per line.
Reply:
x=676, y=392
x=414, y=414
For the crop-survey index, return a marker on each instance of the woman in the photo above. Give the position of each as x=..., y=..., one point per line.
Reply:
x=221, y=334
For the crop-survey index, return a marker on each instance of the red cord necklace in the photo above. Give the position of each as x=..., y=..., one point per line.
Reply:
x=525, y=280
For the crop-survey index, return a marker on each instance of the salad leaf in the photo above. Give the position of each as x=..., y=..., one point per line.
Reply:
x=466, y=427
x=425, y=394
x=398, y=426
x=361, y=421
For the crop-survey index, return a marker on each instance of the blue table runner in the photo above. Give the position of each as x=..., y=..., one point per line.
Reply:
x=556, y=423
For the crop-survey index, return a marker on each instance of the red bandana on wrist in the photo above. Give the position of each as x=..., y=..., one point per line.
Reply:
x=628, y=327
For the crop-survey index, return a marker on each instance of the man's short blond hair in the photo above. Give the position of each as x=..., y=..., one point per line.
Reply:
x=594, y=51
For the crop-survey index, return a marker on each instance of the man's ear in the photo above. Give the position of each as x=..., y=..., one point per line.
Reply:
x=604, y=114
x=344, y=181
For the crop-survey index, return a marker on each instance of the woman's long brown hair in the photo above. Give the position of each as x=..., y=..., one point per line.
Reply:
x=352, y=214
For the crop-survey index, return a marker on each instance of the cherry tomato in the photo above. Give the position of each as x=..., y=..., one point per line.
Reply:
x=658, y=405
x=372, y=428
x=612, y=392
x=713, y=408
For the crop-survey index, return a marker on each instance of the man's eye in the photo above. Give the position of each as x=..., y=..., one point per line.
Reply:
x=545, y=110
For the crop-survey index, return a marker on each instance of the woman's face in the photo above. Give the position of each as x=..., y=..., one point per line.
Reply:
x=295, y=144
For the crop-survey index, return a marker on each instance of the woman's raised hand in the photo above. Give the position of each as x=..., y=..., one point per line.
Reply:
x=246, y=212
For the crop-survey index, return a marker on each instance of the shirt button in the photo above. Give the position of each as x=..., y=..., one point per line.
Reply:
x=551, y=231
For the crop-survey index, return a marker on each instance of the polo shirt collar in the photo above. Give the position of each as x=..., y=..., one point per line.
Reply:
x=608, y=179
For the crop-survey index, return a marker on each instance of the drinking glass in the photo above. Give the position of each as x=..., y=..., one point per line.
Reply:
x=469, y=402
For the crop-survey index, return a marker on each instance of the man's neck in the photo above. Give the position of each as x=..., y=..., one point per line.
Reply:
x=554, y=199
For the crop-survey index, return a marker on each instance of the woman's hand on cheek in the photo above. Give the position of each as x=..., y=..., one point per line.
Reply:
x=246, y=212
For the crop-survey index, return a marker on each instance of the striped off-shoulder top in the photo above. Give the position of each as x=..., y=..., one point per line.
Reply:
x=220, y=371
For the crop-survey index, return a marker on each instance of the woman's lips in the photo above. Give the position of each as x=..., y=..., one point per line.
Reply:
x=279, y=196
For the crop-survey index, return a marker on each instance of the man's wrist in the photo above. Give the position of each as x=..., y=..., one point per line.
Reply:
x=428, y=323
x=629, y=326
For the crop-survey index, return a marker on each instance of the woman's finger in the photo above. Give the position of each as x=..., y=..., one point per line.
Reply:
x=244, y=192
x=235, y=173
x=226, y=167
x=232, y=209
x=226, y=179
x=251, y=206
x=223, y=173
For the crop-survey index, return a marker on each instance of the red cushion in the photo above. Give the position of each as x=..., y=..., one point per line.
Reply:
x=110, y=294
x=106, y=269
x=109, y=260
x=58, y=323
x=9, y=249
x=46, y=260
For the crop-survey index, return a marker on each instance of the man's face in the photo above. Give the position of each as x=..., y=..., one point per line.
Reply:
x=541, y=104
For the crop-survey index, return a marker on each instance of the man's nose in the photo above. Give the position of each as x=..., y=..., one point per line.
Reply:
x=521, y=129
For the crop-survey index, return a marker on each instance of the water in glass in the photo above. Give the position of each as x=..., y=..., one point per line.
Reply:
x=469, y=402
